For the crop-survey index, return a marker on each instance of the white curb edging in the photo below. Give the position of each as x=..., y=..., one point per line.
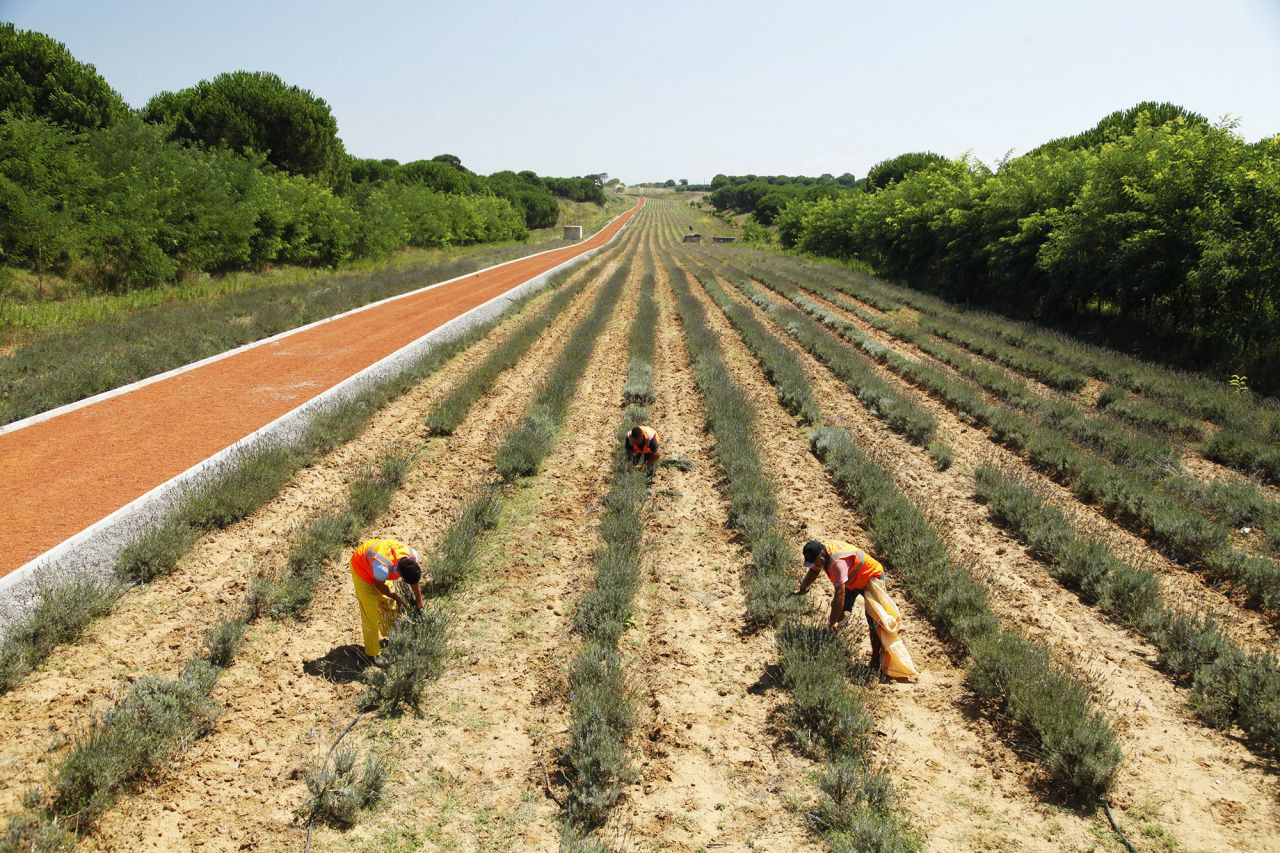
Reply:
x=93, y=551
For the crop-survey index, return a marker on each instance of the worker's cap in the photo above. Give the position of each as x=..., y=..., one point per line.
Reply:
x=408, y=568
x=812, y=551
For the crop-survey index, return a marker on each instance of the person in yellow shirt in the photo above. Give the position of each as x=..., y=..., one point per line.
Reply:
x=849, y=569
x=375, y=563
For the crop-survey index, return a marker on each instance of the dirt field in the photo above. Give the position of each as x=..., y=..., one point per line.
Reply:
x=716, y=764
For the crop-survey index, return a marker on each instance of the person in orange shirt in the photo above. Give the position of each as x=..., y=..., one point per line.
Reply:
x=850, y=569
x=375, y=563
x=642, y=447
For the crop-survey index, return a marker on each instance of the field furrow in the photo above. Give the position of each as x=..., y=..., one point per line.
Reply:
x=156, y=626
x=947, y=761
x=713, y=769
x=294, y=682
x=472, y=773
x=1165, y=785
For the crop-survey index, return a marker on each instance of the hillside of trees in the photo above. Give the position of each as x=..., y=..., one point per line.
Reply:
x=235, y=172
x=1156, y=230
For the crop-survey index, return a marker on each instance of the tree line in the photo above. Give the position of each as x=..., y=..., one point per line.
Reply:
x=1156, y=229
x=235, y=172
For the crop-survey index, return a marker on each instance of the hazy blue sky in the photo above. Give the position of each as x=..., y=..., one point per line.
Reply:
x=656, y=90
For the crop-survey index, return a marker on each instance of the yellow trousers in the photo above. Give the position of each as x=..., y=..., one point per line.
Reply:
x=377, y=614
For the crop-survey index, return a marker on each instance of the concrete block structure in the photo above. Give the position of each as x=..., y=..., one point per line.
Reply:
x=721, y=239
x=573, y=232
x=693, y=238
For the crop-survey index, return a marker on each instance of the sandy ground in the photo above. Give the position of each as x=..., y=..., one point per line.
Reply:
x=715, y=769
x=157, y=627
x=714, y=772
x=238, y=787
x=1201, y=786
x=1248, y=627
x=957, y=778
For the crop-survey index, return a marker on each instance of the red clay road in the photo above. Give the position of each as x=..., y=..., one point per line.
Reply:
x=61, y=475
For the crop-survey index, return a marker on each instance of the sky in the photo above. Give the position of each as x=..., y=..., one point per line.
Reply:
x=656, y=90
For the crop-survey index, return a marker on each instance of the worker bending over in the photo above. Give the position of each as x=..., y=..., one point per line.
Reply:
x=374, y=564
x=642, y=447
x=850, y=570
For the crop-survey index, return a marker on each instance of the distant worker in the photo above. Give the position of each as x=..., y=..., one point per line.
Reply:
x=850, y=570
x=374, y=564
x=642, y=447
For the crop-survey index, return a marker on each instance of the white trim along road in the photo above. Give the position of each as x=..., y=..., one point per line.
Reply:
x=94, y=549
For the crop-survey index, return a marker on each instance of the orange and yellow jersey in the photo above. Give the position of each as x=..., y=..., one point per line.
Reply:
x=647, y=445
x=849, y=566
x=374, y=560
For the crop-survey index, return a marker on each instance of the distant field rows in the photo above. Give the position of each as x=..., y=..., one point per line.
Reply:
x=747, y=725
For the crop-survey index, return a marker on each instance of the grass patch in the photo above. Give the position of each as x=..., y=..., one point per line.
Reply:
x=60, y=614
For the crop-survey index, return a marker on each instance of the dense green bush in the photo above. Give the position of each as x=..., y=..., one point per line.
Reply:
x=235, y=172
x=1157, y=220
x=39, y=78
x=255, y=111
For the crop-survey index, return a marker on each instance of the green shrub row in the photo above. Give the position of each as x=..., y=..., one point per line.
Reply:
x=777, y=361
x=1050, y=373
x=638, y=389
x=1146, y=415
x=529, y=443
x=1236, y=504
x=1235, y=449
x=1162, y=516
x=1075, y=745
x=1117, y=442
x=1228, y=686
x=901, y=414
x=857, y=810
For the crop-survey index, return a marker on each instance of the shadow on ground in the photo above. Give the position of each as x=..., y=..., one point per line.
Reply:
x=342, y=665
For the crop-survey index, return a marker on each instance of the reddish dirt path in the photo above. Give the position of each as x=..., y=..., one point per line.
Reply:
x=60, y=475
